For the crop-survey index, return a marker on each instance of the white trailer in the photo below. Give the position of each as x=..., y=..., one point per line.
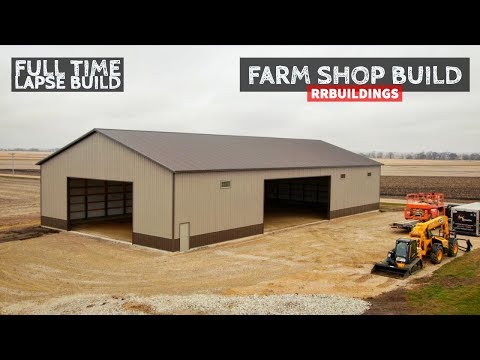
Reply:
x=465, y=219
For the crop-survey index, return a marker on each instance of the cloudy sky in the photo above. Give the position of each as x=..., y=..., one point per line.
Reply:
x=196, y=89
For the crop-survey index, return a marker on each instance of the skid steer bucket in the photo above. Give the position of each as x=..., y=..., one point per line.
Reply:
x=385, y=269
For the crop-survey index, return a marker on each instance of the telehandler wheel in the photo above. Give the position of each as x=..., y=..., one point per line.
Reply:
x=436, y=255
x=453, y=248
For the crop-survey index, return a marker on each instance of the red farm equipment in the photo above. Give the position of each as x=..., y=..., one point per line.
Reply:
x=421, y=207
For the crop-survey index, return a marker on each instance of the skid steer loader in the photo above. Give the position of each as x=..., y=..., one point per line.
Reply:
x=409, y=253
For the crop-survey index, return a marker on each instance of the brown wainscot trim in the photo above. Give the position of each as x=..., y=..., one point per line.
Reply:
x=156, y=242
x=354, y=210
x=54, y=223
x=225, y=235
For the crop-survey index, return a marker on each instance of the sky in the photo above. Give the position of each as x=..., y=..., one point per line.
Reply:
x=196, y=89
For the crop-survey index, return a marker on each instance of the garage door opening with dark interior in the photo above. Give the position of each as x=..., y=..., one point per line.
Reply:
x=101, y=207
x=294, y=201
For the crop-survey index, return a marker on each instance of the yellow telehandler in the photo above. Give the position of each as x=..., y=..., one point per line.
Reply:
x=409, y=253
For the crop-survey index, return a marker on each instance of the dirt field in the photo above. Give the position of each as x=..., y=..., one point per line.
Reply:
x=329, y=258
x=19, y=202
x=24, y=160
x=456, y=168
x=454, y=188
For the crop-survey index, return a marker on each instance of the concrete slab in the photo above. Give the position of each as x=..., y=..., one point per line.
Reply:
x=111, y=229
x=275, y=219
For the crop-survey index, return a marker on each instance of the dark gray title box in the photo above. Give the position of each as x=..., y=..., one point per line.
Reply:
x=48, y=79
x=463, y=64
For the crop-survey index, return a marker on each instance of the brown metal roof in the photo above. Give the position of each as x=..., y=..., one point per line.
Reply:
x=184, y=152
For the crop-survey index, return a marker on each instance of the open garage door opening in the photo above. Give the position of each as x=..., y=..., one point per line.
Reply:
x=101, y=208
x=295, y=201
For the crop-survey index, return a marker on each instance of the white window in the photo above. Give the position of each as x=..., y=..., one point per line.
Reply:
x=225, y=184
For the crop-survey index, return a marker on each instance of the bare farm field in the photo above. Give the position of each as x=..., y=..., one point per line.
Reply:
x=455, y=188
x=445, y=168
x=321, y=268
x=19, y=202
x=459, y=180
x=23, y=161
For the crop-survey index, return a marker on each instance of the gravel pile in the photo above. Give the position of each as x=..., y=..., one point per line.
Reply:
x=198, y=304
x=260, y=304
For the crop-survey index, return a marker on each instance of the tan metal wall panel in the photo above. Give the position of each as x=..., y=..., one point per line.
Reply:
x=98, y=157
x=356, y=189
x=200, y=201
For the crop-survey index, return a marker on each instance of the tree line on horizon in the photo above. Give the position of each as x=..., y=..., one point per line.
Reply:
x=424, y=155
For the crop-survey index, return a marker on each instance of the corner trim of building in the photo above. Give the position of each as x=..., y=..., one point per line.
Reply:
x=354, y=210
x=156, y=242
x=224, y=235
x=54, y=223
x=173, y=207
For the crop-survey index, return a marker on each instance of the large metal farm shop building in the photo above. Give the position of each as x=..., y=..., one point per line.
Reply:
x=176, y=191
